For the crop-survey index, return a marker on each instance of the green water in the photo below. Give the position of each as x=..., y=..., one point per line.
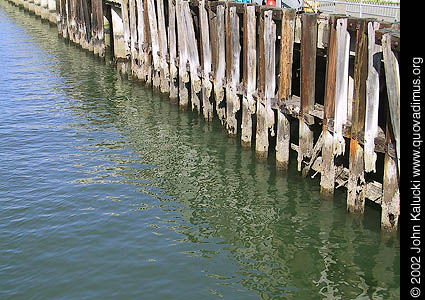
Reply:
x=108, y=191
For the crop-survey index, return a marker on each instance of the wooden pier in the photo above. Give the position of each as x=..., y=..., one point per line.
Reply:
x=262, y=70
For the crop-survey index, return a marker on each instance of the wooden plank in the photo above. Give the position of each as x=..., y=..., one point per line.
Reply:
x=193, y=56
x=249, y=73
x=126, y=26
x=372, y=98
x=163, y=49
x=153, y=26
x=356, y=181
x=207, y=105
x=140, y=24
x=285, y=88
x=98, y=28
x=133, y=37
x=233, y=50
x=341, y=85
x=172, y=47
x=220, y=66
x=261, y=134
x=308, y=78
x=390, y=204
x=183, y=56
x=147, y=46
x=267, y=87
x=327, y=178
x=392, y=75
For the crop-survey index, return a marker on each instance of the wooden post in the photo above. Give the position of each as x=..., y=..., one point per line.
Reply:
x=391, y=195
x=261, y=134
x=126, y=26
x=267, y=84
x=220, y=67
x=249, y=73
x=207, y=105
x=147, y=46
x=356, y=181
x=390, y=205
x=172, y=46
x=155, y=43
x=341, y=84
x=163, y=49
x=392, y=76
x=308, y=77
x=140, y=24
x=233, y=50
x=372, y=98
x=98, y=35
x=192, y=46
x=327, y=178
x=285, y=88
x=183, y=56
x=133, y=37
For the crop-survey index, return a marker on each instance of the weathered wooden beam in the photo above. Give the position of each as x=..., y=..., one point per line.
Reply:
x=327, y=178
x=172, y=47
x=392, y=75
x=147, y=46
x=390, y=205
x=220, y=63
x=98, y=34
x=372, y=98
x=163, y=48
x=308, y=86
x=183, y=56
x=285, y=88
x=233, y=50
x=133, y=37
x=341, y=85
x=207, y=105
x=356, y=180
x=249, y=73
x=126, y=27
x=153, y=26
x=193, y=56
x=266, y=83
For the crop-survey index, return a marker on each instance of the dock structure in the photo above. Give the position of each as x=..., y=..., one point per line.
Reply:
x=331, y=81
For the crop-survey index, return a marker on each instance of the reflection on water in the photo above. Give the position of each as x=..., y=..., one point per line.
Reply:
x=108, y=191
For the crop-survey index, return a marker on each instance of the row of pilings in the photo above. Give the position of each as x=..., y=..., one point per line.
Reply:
x=261, y=71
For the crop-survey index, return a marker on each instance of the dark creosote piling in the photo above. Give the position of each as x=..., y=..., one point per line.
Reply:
x=261, y=70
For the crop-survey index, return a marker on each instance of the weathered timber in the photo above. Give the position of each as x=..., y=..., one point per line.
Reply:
x=327, y=178
x=261, y=134
x=391, y=194
x=153, y=27
x=147, y=46
x=392, y=75
x=285, y=88
x=133, y=37
x=163, y=49
x=183, y=56
x=194, y=65
x=308, y=78
x=220, y=63
x=233, y=50
x=98, y=34
x=372, y=98
x=249, y=73
x=172, y=48
x=341, y=85
x=356, y=180
x=207, y=105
